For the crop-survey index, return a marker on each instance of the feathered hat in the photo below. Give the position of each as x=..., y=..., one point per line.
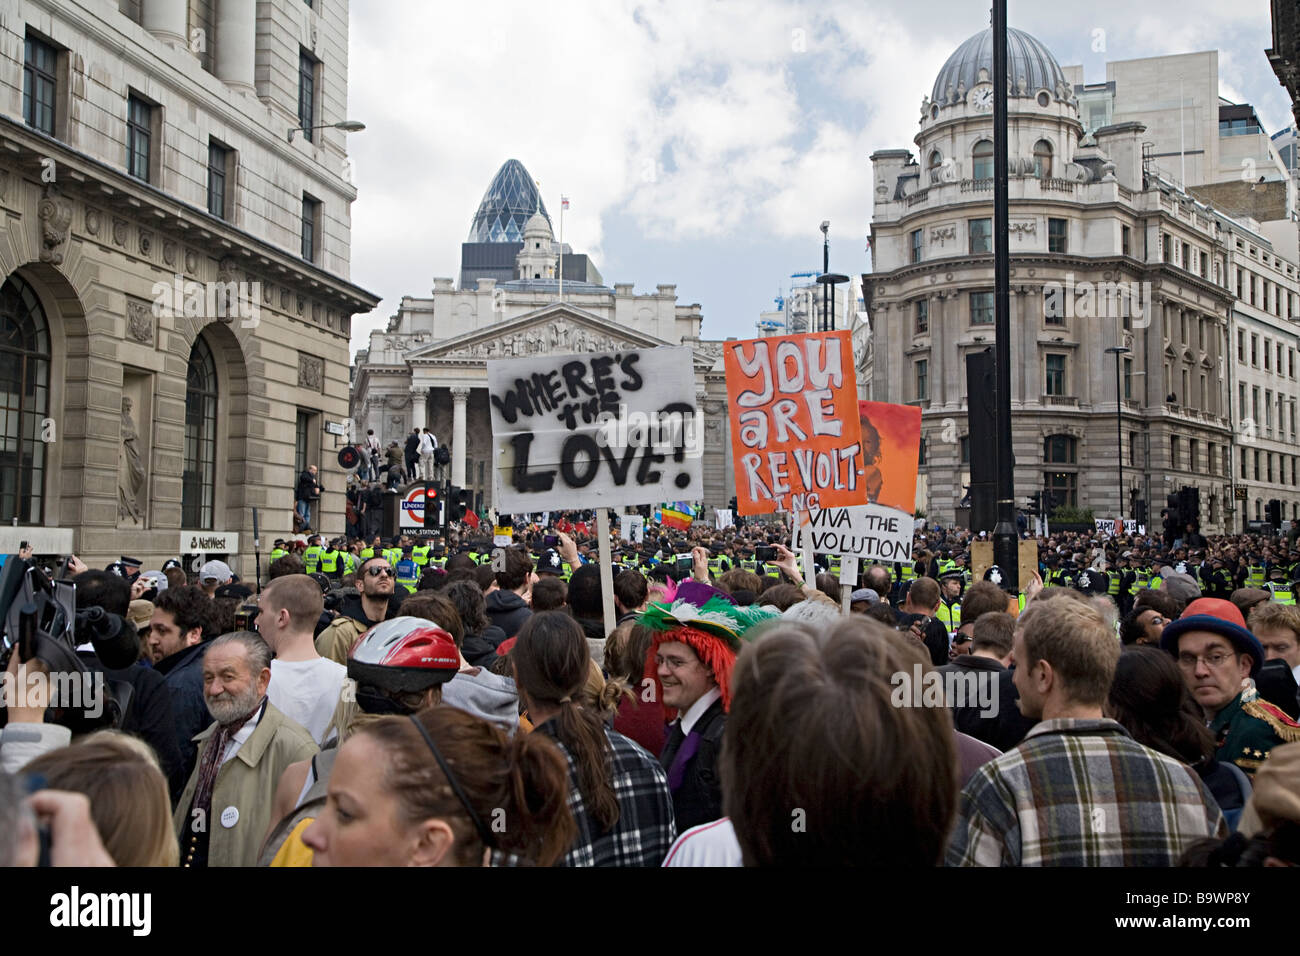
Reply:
x=712, y=629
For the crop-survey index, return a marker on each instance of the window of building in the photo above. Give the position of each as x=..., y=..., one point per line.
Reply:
x=1254, y=350
x=1166, y=252
x=218, y=163
x=1187, y=257
x=1268, y=463
x=1257, y=464
x=1060, y=450
x=139, y=136
x=1043, y=159
x=1057, y=231
x=980, y=232
x=1205, y=264
x=1128, y=379
x=1125, y=241
x=199, y=479
x=1244, y=466
x=39, y=84
x=916, y=245
x=981, y=308
x=1268, y=409
x=310, y=228
x=1268, y=356
x=1254, y=403
x=982, y=160
x=1133, y=449
x=1227, y=461
x=1175, y=452
x=922, y=316
x=306, y=93
x=24, y=403
x=1193, y=454
x=963, y=449
x=922, y=380
x=922, y=449
x=1055, y=384
x=1241, y=346
x=1063, y=486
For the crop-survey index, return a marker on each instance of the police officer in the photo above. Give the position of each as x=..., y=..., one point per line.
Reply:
x=420, y=555
x=311, y=557
x=950, y=588
x=408, y=572
x=278, y=551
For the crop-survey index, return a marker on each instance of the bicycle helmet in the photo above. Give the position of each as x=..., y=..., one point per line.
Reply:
x=404, y=654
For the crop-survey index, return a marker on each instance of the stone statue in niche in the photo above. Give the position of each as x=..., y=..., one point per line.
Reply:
x=130, y=482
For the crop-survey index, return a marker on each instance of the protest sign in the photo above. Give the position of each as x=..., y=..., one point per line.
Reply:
x=600, y=429
x=882, y=529
x=632, y=528
x=795, y=440
x=1118, y=526
x=723, y=518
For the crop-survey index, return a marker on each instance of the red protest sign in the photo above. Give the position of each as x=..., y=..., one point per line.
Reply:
x=795, y=435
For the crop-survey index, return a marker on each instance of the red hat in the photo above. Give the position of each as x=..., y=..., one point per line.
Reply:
x=1215, y=607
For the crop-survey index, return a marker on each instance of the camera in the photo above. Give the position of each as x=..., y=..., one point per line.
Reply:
x=246, y=617
x=765, y=552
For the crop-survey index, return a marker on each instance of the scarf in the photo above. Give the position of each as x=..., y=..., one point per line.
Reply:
x=210, y=763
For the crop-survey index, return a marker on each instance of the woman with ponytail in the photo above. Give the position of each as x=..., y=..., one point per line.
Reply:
x=442, y=788
x=618, y=792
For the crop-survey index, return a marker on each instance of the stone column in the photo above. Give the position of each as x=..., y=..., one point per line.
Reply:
x=938, y=353
x=459, y=396
x=166, y=19
x=234, y=57
x=419, y=406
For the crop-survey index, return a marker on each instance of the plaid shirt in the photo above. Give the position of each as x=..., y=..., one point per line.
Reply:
x=645, y=829
x=1079, y=792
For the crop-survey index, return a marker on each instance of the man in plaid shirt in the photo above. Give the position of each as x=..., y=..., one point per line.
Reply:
x=1078, y=791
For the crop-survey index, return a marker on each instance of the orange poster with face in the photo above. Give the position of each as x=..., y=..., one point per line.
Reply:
x=795, y=436
x=891, y=445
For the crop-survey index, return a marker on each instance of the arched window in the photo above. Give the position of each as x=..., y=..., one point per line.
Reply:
x=1060, y=449
x=982, y=160
x=198, y=484
x=935, y=166
x=24, y=403
x=1043, y=159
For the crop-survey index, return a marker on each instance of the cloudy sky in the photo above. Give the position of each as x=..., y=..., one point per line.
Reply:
x=700, y=143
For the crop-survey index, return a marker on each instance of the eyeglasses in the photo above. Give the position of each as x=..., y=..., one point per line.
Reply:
x=380, y=572
x=674, y=663
x=1214, y=660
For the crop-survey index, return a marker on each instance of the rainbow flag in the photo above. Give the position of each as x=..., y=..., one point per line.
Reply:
x=672, y=517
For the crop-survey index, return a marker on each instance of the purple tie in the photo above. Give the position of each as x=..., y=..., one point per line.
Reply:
x=684, y=754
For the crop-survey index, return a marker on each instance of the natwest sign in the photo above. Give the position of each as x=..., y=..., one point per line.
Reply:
x=209, y=542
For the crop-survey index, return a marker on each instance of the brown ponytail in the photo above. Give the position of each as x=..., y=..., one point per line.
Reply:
x=517, y=791
x=552, y=664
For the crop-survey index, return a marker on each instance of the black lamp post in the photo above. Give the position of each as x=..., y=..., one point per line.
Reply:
x=1005, y=539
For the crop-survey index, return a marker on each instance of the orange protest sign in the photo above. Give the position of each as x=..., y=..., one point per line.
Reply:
x=796, y=440
x=891, y=444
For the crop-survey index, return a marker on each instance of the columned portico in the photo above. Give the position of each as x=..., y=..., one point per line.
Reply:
x=419, y=406
x=236, y=50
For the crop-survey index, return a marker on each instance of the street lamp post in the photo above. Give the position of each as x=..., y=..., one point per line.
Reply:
x=828, y=280
x=1117, y=351
x=347, y=126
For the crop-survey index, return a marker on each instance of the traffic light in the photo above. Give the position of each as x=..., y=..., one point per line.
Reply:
x=1273, y=512
x=1140, y=511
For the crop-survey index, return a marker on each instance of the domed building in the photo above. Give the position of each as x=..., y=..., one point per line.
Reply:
x=1105, y=255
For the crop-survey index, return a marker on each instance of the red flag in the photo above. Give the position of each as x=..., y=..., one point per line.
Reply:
x=471, y=518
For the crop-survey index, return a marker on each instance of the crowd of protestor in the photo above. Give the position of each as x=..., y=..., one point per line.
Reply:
x=463, y=702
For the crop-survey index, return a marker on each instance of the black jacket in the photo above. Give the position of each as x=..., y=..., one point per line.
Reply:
x=182, y=674
x=508, y=611
x=699, y=798
x=308, y=487
x=1006, y=728
x=412, y=448
x=936, y=636
x=352, y=607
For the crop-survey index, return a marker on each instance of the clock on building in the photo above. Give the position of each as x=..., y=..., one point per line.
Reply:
x=981, y=98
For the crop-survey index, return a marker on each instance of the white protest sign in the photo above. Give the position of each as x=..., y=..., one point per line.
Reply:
x=600, y=429
x=872, y=532
x=632, y=528
x=723, y=517
x=1112, y=526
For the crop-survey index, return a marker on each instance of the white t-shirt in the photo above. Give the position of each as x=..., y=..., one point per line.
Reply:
x=307, y=691
x=709, y=844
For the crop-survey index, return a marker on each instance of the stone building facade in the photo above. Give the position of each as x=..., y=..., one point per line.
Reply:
x=176, y=303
